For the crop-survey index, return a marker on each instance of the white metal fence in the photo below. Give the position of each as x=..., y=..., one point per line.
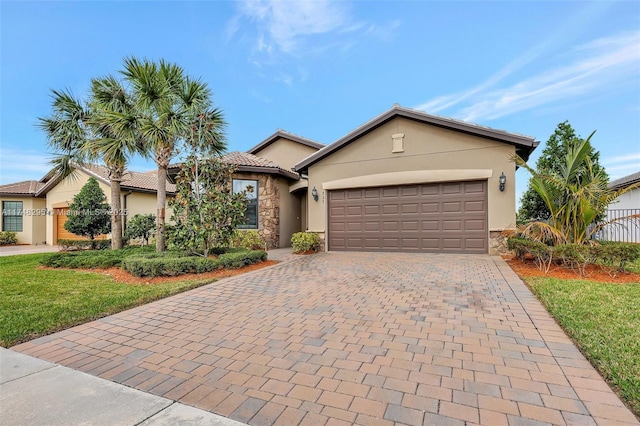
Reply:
x=625, y=228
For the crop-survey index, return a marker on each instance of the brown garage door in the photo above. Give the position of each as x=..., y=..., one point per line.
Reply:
x=60, y=217
x=442, y=217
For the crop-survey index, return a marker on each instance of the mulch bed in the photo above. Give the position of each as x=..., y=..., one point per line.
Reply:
x=592, y=272
x=125, y=277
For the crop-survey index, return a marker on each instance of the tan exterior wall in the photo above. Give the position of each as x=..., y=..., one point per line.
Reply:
x=62, y=195
x=34, y=216
x=285, y=153
x=290, y=214
x=424, y=148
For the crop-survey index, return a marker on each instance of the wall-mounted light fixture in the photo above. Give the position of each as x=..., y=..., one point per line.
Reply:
x=503, y=181
x=314, y=194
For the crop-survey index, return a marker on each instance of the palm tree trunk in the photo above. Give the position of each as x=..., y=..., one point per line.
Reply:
x=163, y=166
x=116, y=215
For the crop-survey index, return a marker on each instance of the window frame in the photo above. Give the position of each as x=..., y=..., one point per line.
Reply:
x=255, y=200
x=18, y=219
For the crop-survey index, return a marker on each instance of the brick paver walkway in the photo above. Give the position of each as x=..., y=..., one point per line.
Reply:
x=343, y=338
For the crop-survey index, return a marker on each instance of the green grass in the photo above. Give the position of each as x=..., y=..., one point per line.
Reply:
x=604, y=321
x=36, y=302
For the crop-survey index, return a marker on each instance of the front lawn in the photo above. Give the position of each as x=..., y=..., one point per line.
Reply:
x=603, y=319
x=35, y=302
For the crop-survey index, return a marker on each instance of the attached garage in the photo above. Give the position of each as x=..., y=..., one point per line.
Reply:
x=415, y=182
x=60, y=218
x=446, y=217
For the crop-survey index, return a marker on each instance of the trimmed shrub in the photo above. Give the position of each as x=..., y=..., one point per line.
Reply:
x=238, y=260
x=69, y=245
x=8, y=238
x=575, y=256
x=305, y=242
x=248, y=240
x=616, y=255
x=167, y=266
x=178, y=263
x=87, y=259
x=541, y=253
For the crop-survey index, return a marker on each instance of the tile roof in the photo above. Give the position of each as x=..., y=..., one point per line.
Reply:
x=625, y=181
x=27, y=187
x=249, y=162
x=285, y=135
x=524, y=144
x=130, y=180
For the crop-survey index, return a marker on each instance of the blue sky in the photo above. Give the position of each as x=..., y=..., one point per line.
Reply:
x=321, y=69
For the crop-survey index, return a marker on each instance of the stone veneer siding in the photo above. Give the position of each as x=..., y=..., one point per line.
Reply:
x=268, y=207
x=498, y=243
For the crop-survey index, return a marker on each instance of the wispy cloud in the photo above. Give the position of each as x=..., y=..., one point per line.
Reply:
x=622, y=165
x=19, y=165
x=283, y=25
x=603, y=64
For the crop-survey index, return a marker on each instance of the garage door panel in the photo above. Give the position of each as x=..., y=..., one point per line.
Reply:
x=474, y=225
x=441, y=217
x=390, y=209
x=409, y=209
x=474, y=206
x=452, y=207
x=410, y=191
x=431, y=207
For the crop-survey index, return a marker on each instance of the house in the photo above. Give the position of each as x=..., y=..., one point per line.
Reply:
x=410, y=181
x=403, y=181
x=24, y=211
x=43, y=205
x=627, y=204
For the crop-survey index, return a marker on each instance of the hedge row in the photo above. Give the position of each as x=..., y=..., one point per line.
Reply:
x=8, y=238
x=69, y=245
x=611, y=255
x=168, y=265
x=87, y=259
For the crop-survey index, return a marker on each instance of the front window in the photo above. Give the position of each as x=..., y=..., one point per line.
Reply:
x=251, y=214
x=12, y=216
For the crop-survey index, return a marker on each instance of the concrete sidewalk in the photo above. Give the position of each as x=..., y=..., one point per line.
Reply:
x=27, y=249
x=37, y=392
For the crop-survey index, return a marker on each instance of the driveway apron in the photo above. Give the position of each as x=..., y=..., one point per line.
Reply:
x=344, y=338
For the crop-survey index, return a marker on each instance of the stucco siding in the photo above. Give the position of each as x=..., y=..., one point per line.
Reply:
x=34, y=216
x=424, y=147
x=290, y=219
x=628, y=200
x=62, y=195
x=285, y=153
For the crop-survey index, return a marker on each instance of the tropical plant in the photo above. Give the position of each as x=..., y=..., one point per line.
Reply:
x=206, y=212
x=167, y=103
x=102, y=129
x=89, y=214
x=141, y=226
x=576, y=195
x=564, y=138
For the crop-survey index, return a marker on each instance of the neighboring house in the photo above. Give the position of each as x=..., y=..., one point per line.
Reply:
x=404, y=181
x=627, y=204
x=24, y=211
x=46, y=204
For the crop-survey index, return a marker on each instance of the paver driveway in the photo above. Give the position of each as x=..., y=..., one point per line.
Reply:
x=351, y=338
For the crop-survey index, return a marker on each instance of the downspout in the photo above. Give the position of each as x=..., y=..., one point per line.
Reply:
x=124, y=211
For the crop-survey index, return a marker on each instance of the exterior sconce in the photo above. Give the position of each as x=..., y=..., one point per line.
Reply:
x=314, y=194
x=503, y=181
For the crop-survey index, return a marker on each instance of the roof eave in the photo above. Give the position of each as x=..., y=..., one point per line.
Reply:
x=268, y=170
x=524, y=144
x=281, y=134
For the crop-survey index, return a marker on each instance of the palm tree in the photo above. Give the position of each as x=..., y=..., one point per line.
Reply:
x=167, y=104
x=103, y=129
x=577, y=196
